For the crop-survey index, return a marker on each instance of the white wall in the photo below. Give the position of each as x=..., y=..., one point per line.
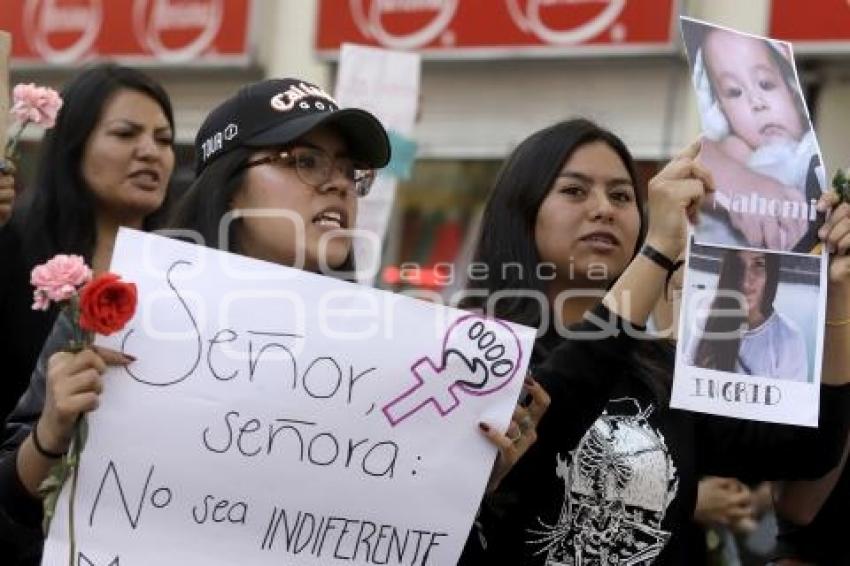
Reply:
x=833, y=122
x=287, y=31
x=750, y=16
x=483, y=109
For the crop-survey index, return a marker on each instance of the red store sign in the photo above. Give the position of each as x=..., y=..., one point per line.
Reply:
x=471, y=28
x=820, y=26
x=61, y=32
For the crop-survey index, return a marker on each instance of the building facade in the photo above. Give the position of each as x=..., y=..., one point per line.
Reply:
x=493, y=71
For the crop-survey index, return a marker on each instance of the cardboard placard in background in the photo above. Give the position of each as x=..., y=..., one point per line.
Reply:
x=5, y=49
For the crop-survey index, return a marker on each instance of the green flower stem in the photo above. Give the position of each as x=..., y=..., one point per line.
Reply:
x=82, y=339
x=70, y=463
x=76, y=451
x=12, y=146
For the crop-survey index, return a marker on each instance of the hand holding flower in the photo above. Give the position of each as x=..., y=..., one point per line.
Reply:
x=74, y=385
x=74, y=376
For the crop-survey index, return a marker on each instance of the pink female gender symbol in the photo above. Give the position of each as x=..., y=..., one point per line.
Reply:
x=479, y=357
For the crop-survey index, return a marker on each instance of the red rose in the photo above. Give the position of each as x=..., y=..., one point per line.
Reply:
x=106, y=304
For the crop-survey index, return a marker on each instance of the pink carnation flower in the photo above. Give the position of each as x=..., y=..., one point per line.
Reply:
x=58, y=279
x=36, y=104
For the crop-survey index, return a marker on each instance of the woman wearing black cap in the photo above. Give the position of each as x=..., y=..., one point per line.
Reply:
x=280, y=168
x=284, y=145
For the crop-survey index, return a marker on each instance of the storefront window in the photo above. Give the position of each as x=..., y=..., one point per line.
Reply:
x=436, y=220
x=433, y=220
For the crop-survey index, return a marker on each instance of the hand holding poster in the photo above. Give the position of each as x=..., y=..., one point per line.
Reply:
x=750, y=343
x=277, y=416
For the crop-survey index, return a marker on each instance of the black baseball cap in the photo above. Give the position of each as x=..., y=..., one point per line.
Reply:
x=276, y=112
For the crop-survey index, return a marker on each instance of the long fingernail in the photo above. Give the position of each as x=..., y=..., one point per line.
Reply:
x=484, y=426
x=129, y=358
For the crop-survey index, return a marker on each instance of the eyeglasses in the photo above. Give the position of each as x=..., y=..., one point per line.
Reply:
x=315, y=167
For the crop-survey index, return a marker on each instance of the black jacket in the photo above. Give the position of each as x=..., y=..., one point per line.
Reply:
x=20, y=513
x=22, y=335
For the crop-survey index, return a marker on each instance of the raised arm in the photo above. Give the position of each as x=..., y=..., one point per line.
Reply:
x=579, y=372
x=675, y=197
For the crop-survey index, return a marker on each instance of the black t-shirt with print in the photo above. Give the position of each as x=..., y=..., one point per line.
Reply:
x=613, y=476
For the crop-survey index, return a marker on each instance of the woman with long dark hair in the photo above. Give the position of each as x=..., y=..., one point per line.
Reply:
x=106, y=163
x=743, y=333
x=612, y=478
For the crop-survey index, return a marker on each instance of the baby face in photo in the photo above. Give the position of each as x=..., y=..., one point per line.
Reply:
x=752, y=90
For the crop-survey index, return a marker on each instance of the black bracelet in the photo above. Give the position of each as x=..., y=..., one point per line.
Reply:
x=41, y=449
x=664, y=262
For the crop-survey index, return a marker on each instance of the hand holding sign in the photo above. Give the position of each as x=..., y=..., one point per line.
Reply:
x=479, y=356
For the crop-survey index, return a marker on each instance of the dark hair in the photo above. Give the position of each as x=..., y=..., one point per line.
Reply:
x=721, y=353
x=58, y=214
x=209, y=199
x=507, y=233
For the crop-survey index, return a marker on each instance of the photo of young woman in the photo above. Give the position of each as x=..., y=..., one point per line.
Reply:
x=739, y=325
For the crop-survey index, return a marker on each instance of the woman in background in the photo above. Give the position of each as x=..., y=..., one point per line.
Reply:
x=106, y=163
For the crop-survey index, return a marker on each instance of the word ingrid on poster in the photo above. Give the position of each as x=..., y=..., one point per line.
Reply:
x=733, y=391
x=245, y=432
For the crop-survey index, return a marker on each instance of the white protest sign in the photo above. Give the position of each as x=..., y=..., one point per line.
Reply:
x=275, y=416
x=754, y=297
x=386, y=83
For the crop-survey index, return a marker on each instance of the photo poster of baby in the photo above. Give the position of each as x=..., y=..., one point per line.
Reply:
x=754, y=294
x=758, y=141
